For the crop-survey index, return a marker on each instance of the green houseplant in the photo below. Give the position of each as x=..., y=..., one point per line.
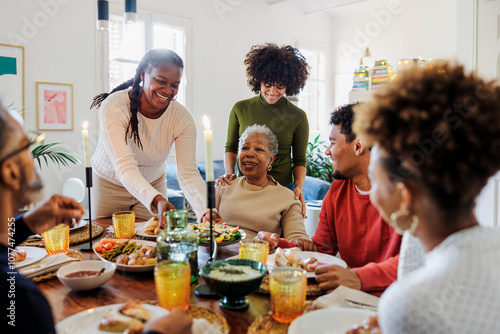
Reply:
x=318, y=164
x=53, y=152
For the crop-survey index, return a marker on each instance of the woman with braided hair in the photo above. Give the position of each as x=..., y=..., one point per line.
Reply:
x=140, y=121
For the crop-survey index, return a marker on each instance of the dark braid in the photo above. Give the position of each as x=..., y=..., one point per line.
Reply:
x=150, y=60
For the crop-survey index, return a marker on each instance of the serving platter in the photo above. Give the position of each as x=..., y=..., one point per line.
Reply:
x=88, y=321
x=126, y=267
x=205, y=227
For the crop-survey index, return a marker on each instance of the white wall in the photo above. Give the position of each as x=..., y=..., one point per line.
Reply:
x=395, y=29
x=59, y=38
x=63, y=50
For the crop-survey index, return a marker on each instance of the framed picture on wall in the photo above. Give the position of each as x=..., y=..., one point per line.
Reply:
x=54, y=106
x=12, y=76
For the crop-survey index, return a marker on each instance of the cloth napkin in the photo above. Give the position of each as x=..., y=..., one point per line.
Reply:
x=347, y=297
x=47, y=265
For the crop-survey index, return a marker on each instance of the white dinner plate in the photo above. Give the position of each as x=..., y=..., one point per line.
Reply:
x=130, y=268
x=79, y=225
x=88, y=321
x=33, y=254
x=323, y=258
x=332, y=320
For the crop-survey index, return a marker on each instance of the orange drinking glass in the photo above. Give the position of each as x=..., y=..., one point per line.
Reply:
x=172, y=280
x=57, y=239
x=256, y=250
x=124, y=224
x=288, y=293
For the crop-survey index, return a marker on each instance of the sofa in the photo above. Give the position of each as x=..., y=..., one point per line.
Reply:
x=314, y=189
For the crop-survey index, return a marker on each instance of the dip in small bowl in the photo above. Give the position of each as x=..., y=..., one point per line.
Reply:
x=234, y=280
x=82, y=275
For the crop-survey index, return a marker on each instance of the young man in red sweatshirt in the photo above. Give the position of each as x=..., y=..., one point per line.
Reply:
x=348, y=222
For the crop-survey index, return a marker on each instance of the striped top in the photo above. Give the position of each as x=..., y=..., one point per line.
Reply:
x=125, y=164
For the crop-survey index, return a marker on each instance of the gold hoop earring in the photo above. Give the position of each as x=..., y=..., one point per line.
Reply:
x=269, y=168
x=398, y=214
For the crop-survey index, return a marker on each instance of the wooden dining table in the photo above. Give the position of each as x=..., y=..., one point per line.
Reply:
x=124, y=286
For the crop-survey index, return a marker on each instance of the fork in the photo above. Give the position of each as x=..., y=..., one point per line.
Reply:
x=214, y=328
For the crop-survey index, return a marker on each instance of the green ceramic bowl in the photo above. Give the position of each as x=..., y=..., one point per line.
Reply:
x=233, y=292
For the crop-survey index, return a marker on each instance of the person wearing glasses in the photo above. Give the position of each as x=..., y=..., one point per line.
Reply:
x=140, y=121
x=272, y=72
x=25, y=310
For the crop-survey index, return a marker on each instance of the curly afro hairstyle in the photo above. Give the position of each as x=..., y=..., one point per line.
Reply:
x=441, y=129
x=344, y=116
x=270, y=63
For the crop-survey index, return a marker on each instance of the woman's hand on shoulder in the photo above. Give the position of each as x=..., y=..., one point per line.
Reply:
x=225, y=179
x=272, y=238
x=300, y=196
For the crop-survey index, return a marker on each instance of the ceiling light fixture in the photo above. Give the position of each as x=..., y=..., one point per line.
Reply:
x=130, y=11
x=102, y=15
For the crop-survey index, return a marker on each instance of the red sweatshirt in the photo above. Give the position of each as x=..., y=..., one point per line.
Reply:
x=350, y=224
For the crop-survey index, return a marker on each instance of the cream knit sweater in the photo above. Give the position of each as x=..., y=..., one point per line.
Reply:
x=125, y=164
x=253, y=208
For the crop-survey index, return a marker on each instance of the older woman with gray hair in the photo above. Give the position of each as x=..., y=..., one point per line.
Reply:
x=255, y=201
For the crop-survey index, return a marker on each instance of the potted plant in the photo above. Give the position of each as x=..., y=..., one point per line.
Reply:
x=318, y=164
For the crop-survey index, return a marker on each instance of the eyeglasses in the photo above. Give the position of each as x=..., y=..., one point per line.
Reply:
x=39, y=137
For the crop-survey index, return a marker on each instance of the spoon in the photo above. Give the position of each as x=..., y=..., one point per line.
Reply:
x=100, y=272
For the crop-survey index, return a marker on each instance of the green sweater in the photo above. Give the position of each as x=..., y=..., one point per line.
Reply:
x=287, y=121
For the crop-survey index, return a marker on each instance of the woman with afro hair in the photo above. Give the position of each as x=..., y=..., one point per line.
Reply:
x=140, y=121
x=272, y=72
x=436, y=136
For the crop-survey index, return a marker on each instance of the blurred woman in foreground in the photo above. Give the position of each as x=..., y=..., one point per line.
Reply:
x=436, y=136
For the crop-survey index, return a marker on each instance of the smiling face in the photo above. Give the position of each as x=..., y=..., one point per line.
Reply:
x=272, y=92
x=384, y=193
x=255, y=156
x=160, y=87
x=341, y=154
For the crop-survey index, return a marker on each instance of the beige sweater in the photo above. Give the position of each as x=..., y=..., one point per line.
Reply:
x=125, y=164
x=253, y=208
